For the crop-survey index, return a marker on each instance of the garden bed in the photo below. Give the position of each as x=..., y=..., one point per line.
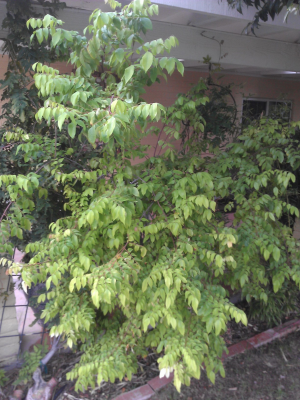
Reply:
x=148, y=369
x=267, y=373
x=237, y=332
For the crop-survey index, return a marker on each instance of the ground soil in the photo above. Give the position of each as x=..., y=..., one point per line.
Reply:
x=271, y=372
x=260, y=370
x=62, y=363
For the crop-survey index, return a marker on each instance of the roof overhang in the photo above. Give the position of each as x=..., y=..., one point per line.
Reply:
x=201, y=26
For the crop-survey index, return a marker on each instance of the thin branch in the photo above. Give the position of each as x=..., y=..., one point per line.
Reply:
x=5, y=211
x=55, y=129
x=161, y=131
x=75, y=162
x=166, y=218
x=33, y=103
x=215, y=40
x=144, y=214
x=53, y=350
x=47, y=162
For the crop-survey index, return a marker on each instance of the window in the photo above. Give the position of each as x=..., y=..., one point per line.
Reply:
x=256, y=108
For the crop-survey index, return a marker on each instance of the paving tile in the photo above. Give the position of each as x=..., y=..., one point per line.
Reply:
x=262, y=338
x=158, y=383
x=142, y=393
x=285, y=329
x=237, y=348
x=288, y=323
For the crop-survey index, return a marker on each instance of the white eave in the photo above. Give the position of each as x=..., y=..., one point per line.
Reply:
x=273, y=52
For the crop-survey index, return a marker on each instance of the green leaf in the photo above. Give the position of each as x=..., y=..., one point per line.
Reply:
x=110, y=126
x=153, y=74
x=146, y=61
x=92, y=134
x=56, y=38
x=128, y=73
x=276, y=253
x=120, y=53
x=143, y=251
x=90, y=217
x=146, y=22
x=39, y=35
x=209, y=324
x=189, y=248
x=72, y=129
x=170, y=65
x=61, y=120
x=218, y=327
x=158, y=196
x=244, y=319
x=180, y=67
x=75, y=98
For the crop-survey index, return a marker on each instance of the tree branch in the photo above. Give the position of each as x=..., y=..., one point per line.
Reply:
x=53, y=350
x=5, y=211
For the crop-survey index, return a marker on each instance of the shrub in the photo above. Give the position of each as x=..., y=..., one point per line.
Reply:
x=143, y=245
x=31, y=363
x=3, y=378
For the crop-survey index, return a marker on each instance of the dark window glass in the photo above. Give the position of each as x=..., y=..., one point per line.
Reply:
x=252, y=110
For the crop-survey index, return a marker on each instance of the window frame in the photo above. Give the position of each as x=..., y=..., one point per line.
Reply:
x=268, y=101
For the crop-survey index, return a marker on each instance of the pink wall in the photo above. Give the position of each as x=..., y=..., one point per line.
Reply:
x=268, y=88
x=244, y=86
x=166, y=92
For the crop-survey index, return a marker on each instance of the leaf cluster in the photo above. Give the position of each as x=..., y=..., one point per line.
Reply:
x=20, y=103
x=31, y=363
x=3, y=378
x=265, y=9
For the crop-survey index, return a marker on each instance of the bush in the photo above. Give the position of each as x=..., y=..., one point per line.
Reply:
x=143, y=245
x=3, y=378
x=278, y=306
x=31, y=362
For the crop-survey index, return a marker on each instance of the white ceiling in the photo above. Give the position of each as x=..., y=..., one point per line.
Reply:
x=210, y=14
x=213, y=18
x=216, y=15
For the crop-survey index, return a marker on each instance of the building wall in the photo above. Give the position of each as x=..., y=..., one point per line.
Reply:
x=165, y=92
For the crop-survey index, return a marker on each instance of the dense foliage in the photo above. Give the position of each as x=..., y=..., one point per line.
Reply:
x=211, y=121
x=265, y=9
x=20, y=103
x=141, y=257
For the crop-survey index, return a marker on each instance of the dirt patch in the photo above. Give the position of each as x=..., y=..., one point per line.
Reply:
x=62, y=363
x=271, y=372
x=244, y=373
